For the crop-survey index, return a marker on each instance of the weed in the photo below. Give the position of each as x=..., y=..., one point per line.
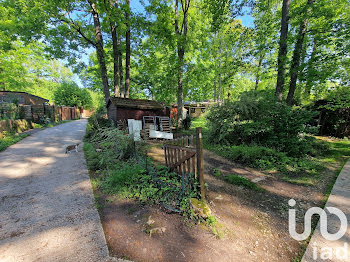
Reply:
x=242, y=181
x=237, y=180
x=8, y=139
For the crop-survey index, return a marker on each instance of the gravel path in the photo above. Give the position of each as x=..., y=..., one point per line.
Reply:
x=320, y=249
x=47, y=210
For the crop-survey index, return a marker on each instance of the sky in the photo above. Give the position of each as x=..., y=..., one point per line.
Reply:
x=137, y=7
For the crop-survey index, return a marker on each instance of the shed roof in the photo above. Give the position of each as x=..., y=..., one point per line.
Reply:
x=20, y=92
x=135, y=103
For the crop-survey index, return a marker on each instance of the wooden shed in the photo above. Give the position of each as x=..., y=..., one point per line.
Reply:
x=21, y=98
x=122, y=109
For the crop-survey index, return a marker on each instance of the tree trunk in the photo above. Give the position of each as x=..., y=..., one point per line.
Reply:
x=282, y=53
x=219, y=89
x=127, y=51
x=100, y=51
x=120, y=62
x=310, y=75
x=181, y=53
x=113, y=29
x=115, y=60
x=257, y=78
x=181, y=39
x=294, y=70
x=214, y=91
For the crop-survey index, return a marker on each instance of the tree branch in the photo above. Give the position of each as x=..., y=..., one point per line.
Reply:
x=78, y=29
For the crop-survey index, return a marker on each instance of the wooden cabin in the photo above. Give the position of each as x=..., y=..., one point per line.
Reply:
x=122, y=109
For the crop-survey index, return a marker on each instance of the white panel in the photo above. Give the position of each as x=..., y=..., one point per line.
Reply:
x=159, y=134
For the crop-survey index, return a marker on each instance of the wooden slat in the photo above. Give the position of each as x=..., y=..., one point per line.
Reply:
x=194, y=166
x=181, y=160
x=181, y=148
x=188, y=163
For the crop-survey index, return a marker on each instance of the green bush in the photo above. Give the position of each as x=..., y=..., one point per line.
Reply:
x=9, y=111
x=186, y=123
x=92, y=157
x=253, y=156
x=96, y=121
x=257, y=118
x=118, y=142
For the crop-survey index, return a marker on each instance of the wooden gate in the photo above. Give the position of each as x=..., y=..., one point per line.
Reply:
x=185, y=155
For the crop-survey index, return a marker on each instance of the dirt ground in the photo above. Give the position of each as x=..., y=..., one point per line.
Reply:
x=252, y=226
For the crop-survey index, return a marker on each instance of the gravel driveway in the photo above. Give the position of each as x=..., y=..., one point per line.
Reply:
x=47, y=210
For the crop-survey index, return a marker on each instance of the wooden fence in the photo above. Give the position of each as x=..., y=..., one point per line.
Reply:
x=36, y=113
x=185, y=155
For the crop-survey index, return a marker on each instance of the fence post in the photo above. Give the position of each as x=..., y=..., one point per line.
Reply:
x=200, y=162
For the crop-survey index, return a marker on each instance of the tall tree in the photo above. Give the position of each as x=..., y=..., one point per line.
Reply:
x=127, y=50
x=112, y=11
x=181, y=34
x=298, y=49
x=100, y=49
x=282, y=53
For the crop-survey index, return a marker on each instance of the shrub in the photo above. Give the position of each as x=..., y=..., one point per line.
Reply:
x=334, y=113
x=257, y=118
x=98, y=120
x=253, y=156
x=122, y=146
x=92, y=157
x=186, y=123
x=9, y=111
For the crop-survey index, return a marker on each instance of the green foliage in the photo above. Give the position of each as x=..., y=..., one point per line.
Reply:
x=334, y=113
x=138, y=179
x=269, y=159
x=186, y=123
x=69, y=94
x=124, y=170
x=8, y=139
x=9, y=111
x=258, y=119
x=156, y=185
x=242, y=181
x=338, y=99
x=238, y=180
x=96, y=121
x=92, y=157
x=97, y=99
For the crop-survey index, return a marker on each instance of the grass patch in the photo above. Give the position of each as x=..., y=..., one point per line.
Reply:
x=51, y=124
x=9, y=139
x=238, y=180
x=242, y=181
x=295, y=170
